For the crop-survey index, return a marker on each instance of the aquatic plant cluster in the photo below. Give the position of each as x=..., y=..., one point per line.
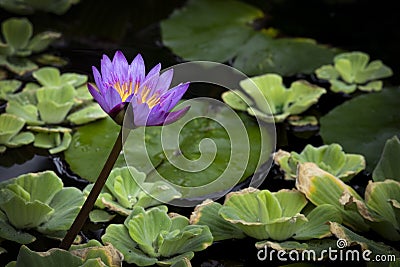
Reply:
x=344, y=188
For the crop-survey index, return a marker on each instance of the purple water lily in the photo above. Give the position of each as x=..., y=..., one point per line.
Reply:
x=121, y=83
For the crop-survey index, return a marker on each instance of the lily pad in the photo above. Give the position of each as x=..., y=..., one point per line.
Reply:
x=330, y=158
x=388, y=165
x=216, y=149
x=90, y=146
x=216, y=29
x=220, y=31
x=364, y=132
x=264, y=54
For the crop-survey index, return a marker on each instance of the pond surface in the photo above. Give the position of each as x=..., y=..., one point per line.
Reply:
x=92, y=28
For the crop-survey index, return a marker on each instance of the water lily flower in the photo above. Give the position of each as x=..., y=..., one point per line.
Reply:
x=120, y=83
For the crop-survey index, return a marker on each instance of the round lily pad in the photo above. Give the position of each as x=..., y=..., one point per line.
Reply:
x=362, y=125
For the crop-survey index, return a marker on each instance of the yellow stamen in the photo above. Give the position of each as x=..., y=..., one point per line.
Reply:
x=124, y=90
x=152, y=100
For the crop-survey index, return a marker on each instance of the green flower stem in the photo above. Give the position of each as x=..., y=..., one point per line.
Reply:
x=94, y=193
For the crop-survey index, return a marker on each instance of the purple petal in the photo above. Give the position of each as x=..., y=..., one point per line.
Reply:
x=112, y=99
x=164, y=81
x=136, y=70
x=140, y=113
x=98, y=79
x=175, y=115
x=148, y=85
x=95, y=93
x=106, y=69
x=171, y=97
x=157, y=118
x=155, y=70
x=120, y=67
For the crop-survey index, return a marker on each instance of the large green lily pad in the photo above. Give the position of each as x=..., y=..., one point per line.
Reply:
x=285, y=56
x=90, y=147
x=362, y=125
x=223, y=30
x=209, y=30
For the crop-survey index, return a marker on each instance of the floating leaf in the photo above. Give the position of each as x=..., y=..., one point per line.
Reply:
x=388, y=165
x=216, y=29
x=262, y=54
x=55, y=103
x=352, y=238
x=10, y=126
x=39, y=201
x=25, y=7
x=8, y=232
x=317, y=225
x=8, y=86
x=17, y=33
x=330, y=158
x=321, y=187
x=125, y=188
x=207, y=213
x=264, y=215
x=51, y=77
x=363, y=132
x=221, y=31
x=271, y=101
x=351, y=70
x=383, y=198
x=161, y=239
x=90, y=146
x=87, y=114
x=90, y=254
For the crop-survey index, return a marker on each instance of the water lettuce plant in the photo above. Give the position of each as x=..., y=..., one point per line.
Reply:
x=152, y=236
x=18, y=43
x=25, y=7
x=8, y=87
x=125, y=189
x=352, y=70
x=92, y=253
x=37, y=201
x=11, y=134
x=282, y=101
x=56, y=99
x=330, y=158
x=321, y=187
x=262, y=215
x=121, y=83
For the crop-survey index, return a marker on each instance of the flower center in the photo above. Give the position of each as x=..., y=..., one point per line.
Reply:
x=125, y=89
x=151, y=100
